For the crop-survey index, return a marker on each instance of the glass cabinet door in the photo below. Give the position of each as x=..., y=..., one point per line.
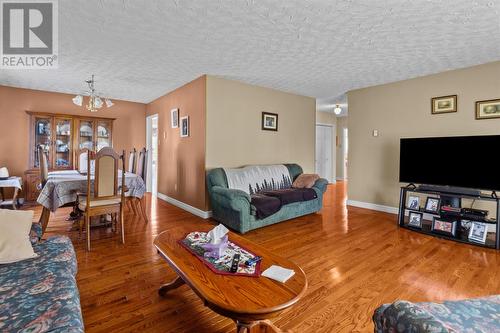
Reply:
x=43, y=131
x=86, y=134
x=62, y=147
x=103, y=134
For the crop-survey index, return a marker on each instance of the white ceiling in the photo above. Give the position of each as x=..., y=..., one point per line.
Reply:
x=139, y=50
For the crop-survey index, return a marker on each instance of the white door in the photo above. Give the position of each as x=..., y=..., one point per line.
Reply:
x=152, y=147
x=324, y=151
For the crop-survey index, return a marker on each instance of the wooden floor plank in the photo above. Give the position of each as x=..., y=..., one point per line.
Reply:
x=354, y=259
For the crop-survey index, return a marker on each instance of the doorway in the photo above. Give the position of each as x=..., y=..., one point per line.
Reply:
x=325, y=160
x=152, y=147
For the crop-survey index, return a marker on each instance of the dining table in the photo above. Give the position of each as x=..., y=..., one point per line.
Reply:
x=62, y=187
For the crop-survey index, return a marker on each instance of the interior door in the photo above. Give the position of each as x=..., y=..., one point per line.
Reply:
x=324, y=155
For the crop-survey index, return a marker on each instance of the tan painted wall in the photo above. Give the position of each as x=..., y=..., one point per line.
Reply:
x=181, y=161
x=129, y=127
x=402, y=109
x=234, y=135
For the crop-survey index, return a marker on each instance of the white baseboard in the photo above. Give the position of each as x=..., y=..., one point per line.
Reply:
x=193, y=210
x=367, y=205
x=341, y=178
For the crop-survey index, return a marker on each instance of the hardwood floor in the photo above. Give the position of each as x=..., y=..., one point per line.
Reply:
x=354, y=259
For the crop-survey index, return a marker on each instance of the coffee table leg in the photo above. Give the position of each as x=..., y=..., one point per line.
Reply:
x=261, y=326
x=171, y=285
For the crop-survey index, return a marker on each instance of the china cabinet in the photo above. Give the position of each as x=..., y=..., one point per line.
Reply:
x=61, y=135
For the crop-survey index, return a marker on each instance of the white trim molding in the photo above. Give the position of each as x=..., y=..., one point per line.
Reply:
x=367, y=205
x=193, y=210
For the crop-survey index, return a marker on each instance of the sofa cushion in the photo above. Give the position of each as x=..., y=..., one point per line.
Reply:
x=305, y=180
x=41, y=294
x=265, y=205
x=291, y=195
x=15, y=228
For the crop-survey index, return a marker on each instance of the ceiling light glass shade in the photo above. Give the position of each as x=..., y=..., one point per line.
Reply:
x=108, y=102
x=98, y=102
x=78, y=100
x=337, y=110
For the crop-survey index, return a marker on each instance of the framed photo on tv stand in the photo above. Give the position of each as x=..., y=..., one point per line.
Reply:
x=445, y=227
x=432, y=205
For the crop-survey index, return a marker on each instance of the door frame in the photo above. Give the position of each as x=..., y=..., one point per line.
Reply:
x=333, y=147
x=149, y=143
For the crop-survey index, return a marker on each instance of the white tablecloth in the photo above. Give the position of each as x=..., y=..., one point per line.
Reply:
x=12, y=182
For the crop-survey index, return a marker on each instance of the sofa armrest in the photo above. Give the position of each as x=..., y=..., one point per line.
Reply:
x=236, y=198
x=406, y=316
x=35, y=233
x=321, y=185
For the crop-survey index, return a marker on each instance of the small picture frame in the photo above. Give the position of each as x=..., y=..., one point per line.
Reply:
x=444, y=104
x=174, y=118
x=415, y=220
x=413, y=202
x=184, y=123
x=444, y=227
x=432, y=205
x=478, y=232
x=269, y=121
x=488, y=109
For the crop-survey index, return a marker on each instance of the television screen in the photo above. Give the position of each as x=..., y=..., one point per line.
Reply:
x=462, y=161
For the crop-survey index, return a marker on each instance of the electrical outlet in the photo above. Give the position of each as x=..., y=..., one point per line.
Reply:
x=375, y=133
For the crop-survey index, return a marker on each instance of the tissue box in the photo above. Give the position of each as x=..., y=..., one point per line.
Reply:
x=215, y=250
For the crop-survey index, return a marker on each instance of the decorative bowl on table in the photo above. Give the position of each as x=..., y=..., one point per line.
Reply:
x=215, y=250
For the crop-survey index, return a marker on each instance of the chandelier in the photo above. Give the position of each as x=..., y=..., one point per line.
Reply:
x=95, y=101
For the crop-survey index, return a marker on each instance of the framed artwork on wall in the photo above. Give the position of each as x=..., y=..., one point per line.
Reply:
x=444, y=104
x=174, y=118
x=184, y=126
x=488, y=109
x=269, y=121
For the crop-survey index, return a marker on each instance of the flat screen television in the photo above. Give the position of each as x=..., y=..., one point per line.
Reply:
x=460, y=161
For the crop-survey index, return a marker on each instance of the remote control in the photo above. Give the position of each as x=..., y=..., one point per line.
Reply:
x=252, y=261
x=234, y=264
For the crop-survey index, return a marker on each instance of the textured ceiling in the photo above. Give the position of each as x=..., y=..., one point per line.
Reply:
x=139, y=50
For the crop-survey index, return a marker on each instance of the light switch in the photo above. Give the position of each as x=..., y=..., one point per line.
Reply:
x=375, y=133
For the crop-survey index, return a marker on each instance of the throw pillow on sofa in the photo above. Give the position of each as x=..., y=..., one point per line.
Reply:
x=305, y=180
x=15, y=244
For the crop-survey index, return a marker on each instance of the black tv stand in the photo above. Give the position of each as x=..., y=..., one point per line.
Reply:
x=461, y=216
x=449, y=190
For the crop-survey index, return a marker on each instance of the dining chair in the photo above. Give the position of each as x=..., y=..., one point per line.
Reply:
x=141, y=172
x=81, y=160
x=132, y=161
x=108, y=197
x=44, y=167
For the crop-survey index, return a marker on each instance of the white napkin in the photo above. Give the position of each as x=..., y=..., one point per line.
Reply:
x=278, y=273
x=215, y=235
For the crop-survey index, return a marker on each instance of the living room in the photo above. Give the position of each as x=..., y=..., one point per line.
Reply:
x=249, y=166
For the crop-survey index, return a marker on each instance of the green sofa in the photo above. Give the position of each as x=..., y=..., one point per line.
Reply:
x=233, y=208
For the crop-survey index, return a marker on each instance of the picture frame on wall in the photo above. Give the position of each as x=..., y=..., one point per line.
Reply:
x=488, y=109
x=269, y=121
x=184, y=123
x=432, y=205
x=415, y=220
x=478, y=232
x=444, y=104
x=174, y=118
x=444, y=227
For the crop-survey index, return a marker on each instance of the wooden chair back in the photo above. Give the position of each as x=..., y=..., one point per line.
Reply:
x=81, y=160
x=142, y=164
x=132, y=161
x=106, y=173
x=43, y=164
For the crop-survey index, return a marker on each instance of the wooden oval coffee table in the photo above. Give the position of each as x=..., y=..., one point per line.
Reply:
x=249, y=301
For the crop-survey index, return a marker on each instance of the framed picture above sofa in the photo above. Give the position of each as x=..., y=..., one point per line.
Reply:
x=269, y=121
x=444, y=104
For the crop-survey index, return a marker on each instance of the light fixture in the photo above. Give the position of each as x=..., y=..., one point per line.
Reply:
x=95, y=101
x=337, y=110
x=78, y=100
